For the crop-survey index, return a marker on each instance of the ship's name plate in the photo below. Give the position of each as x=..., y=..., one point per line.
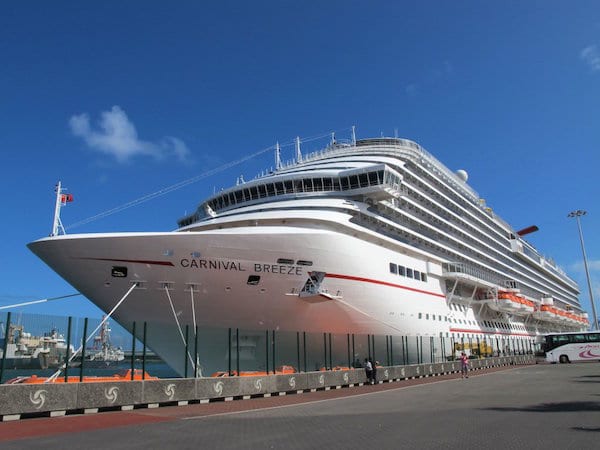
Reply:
x=211, y=264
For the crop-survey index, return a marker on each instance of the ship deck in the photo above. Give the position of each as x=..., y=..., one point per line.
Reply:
x=534, y=407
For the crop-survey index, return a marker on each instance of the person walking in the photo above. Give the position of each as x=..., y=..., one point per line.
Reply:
x=374, y=372
x=368, y=370
x=464, y=365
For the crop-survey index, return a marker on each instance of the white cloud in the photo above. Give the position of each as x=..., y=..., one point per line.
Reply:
x=116, y=135
x=591, y=56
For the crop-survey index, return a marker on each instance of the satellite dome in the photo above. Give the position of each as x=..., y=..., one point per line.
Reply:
x=463, y=175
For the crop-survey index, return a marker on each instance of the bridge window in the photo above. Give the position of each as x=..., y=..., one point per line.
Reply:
x=393, y=268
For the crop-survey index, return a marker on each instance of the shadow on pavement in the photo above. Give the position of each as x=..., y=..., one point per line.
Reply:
x=555, y=407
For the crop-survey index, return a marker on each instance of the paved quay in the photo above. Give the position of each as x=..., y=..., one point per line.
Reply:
x=518, y=407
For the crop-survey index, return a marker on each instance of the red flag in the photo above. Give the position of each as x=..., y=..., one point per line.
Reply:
x=66, y=198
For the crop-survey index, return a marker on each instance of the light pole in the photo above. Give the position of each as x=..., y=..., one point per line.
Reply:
x=577, y=214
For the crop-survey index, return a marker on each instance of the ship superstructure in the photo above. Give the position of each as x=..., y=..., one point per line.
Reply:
x=373, y=236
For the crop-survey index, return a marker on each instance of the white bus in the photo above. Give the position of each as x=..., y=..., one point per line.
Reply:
x=572, y=347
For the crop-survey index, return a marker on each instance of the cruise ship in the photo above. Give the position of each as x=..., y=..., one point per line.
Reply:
x=366, y=237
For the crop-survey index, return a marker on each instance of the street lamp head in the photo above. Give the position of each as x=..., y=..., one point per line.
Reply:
x=577, y=213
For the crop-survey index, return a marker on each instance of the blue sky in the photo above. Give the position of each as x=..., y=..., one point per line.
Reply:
x=121, y=99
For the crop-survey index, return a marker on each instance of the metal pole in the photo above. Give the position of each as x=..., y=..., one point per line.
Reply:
x=237, y=351
x=144, y=354
x=132, y=350
x=325, y=350
x=196, y=353
x=577, y=214
x=187, y=347
x=348, y=347
x=273, y=344
x=5, y=349
x=68, y=349
x=330, y=359
x=304, y=348
x=229, y=353
x=85, y=326
x=267, y=350
x=298, y=349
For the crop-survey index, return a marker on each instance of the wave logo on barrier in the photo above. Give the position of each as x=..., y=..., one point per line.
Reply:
x=345, y=377
x=292, y=382
x=386, y=373
x=111, y=394
x=321, y=379
x=442, y=368
x=38, y=398
x=403, y=372
x=418, y=370
x=430, y=369
x=588, y=354
x=170, y=391
x=218, y=387
x=258, y=384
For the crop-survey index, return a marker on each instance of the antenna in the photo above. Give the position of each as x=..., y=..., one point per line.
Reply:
x=61, y=200
x=353, y=135
x=333, y=138
x=277, y=157
x=298, y=152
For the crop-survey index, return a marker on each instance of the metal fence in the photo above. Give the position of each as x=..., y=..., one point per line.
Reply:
x=42, y=345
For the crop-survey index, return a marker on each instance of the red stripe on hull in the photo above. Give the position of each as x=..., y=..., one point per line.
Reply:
x=383, y=283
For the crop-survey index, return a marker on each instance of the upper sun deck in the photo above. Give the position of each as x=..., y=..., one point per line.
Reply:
x=318, y=174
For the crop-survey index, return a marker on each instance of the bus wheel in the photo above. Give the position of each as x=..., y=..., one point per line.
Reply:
x=563, y=359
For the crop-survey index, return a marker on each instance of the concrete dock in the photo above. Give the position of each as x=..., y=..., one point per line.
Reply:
x=510, y=407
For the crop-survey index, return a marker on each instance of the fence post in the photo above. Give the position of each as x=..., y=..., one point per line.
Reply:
x=132, y=350
x=144, y=354
x=5, y=349
x=68, y=355
x=85, y=327
x=187, y=347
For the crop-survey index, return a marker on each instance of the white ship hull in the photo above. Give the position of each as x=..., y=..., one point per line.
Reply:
x=348, y=252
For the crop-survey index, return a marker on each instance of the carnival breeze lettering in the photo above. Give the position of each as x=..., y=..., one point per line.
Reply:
x=237, y=266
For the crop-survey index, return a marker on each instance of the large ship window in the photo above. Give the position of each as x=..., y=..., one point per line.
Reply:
x=402, y=271
x=423, y=276
x=373, y=178
x=262, y=190
x=289, y=186
x=393, y=268
x=409, y=273
x=345, y=183
x=364, y=180
x=317, y=184
x=416, y=275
